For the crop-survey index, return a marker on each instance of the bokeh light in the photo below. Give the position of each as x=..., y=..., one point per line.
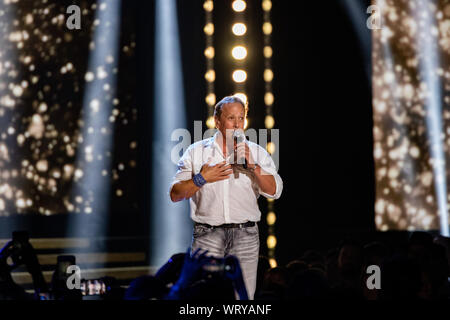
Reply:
x=411, y=59
x=210, y=75
x=268, y=75
x=270, y=147
x=271, y=242
x=239, y=76
x=208, y=5
x=271, y=218
x=209, y=29
x=209, y=52
x=242, y=96
x=239, y=52
x=238, y=5
x=267, y=28
x=210, y=123
x=269, y=122
x=268, y=52
x=273, y=263
x=211, y=99
x=269, y=98
x=239, y=29
x=42, y=73
x=267, y=5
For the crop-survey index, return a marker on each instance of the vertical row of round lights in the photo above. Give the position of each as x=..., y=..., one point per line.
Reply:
x=210, y=74
x=269, y=121
x=239, y=50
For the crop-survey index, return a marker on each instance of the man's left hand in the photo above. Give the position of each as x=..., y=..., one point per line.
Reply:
x=243, y=151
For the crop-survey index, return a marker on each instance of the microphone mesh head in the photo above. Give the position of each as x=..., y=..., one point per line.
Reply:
x=239, y=134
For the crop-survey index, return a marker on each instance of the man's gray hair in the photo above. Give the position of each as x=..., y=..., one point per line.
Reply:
x=228, y=99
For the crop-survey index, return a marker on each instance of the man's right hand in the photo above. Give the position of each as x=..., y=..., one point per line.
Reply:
x=213, y=173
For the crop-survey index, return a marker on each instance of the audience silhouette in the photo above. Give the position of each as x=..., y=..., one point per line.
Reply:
x=418, y=269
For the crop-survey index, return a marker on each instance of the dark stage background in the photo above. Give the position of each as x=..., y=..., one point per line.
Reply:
x=325, y=114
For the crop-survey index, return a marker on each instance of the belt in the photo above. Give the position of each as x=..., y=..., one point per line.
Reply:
x=229, y=225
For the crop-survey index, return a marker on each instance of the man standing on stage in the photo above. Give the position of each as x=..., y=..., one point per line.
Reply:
x=223, y=193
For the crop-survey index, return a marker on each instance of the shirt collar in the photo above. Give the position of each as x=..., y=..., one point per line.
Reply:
x=212, y=143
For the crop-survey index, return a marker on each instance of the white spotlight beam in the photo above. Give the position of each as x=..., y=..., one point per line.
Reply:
x=91, y=193
x=171, y=226
x=358, y=16
x=429, y=63
x=8, y=63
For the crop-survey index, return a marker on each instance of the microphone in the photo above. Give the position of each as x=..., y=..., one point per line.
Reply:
x=239, y=136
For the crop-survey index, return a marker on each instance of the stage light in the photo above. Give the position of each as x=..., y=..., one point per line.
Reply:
x=171, y=226
x=271, y=242
x=208, y=5
x=239, y=76
x=271, y=218
x=269, y=98
x=239, y=52
x=239, y=29
x=267, y=5
x=211, y=99
x=210, y=123
x=267, y=28
x=210, y=76
x=270, y=147
x=242, y=96
x=269, y=122
x=239, y=5
x=209, y=29
x=209, y=52
x=268, y=52
x=273, y=263
x=268, y=75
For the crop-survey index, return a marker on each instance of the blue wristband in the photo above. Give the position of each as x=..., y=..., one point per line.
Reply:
x=199, y=181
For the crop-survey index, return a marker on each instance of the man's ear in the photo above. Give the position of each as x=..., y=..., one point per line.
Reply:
x=216, y=121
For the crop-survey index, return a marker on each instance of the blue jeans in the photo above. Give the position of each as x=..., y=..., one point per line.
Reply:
x=242, y=243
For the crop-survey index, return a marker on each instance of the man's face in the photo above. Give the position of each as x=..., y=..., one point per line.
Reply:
x=232, y=118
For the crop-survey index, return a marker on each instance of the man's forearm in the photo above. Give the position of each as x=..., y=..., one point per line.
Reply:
x=183, y=190
x=265, y=181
